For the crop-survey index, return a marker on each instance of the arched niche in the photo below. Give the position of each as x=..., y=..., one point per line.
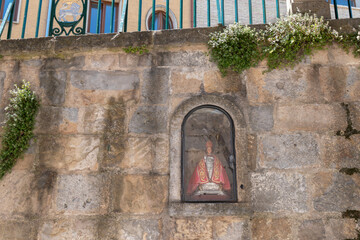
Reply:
x=177, y=206
x=208, y=156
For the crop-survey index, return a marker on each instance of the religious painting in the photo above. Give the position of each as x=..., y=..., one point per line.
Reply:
x=208, y=156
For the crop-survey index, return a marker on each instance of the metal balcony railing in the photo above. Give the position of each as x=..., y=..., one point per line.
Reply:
x=73, y=17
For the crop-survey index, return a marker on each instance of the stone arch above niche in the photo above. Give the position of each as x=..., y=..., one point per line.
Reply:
x=175, y=143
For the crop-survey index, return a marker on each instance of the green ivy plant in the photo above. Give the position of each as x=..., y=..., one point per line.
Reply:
x=282, y=44
x=19, y=125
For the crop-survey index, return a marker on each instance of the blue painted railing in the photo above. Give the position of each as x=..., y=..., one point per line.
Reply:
x=9, y=13
x=349, y=6
x=123, y=11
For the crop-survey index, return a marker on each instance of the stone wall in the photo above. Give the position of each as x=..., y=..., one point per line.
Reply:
x=105, y=162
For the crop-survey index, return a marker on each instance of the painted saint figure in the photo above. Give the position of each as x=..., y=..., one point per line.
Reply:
x=209, y=176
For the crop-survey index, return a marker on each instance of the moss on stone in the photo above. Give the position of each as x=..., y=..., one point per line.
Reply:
x=355, y=214
x=350, y=171
x=349, y=131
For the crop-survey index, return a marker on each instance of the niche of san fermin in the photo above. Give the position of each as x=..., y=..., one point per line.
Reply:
x=160, y=145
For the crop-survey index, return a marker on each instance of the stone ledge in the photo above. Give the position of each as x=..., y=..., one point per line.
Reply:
x=209, y=209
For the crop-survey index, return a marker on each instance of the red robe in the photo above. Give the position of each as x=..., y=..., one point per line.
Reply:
x=201, y=176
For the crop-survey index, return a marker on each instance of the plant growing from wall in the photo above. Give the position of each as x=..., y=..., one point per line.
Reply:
x=134, y=50
x=237, y=48
x=282, y=44
x=19, y=124
x=290, y=39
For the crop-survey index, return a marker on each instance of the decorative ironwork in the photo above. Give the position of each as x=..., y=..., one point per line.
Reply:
x=68, y=15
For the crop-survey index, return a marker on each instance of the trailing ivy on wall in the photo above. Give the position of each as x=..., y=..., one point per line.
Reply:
x=282, y=44
x=19, y=125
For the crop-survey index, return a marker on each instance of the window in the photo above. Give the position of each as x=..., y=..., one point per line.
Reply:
x=344, y=2
x=160, y=18
x=160, y=21
x=105, y=17
x=208, y=156
x=4, y=6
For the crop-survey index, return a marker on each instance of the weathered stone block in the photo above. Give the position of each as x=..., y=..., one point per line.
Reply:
x=320, y=57
x=340, y=229
x=2, y=78
x=33, y=63
x=320, y=182
x=337, y=56
x=49, y=119
x=51, y=151
x=333, y=82
x=177, y=209
x=139, y=155
x=339, y=152
x=193, y=229
x=114, y=133
x=81, y=193
x=76, y=97
x=102, y=62
x=148, y=229
x=104, y=80
x=182, y=59
x=71, y=114
x=17, y=196
x=140, y=194
x=310, y=117
x=81, y=153
x=271, y=228
x=155, y=87
x=69, y=153
x=149, y=119
x=342, y=194
x=353, y=84
x=92, y=120
x=57, y=63
x=261, y=118
x=288, y=151
x=135, y=60
x=232, y=83
x=114, y=150
x=54, y=85
x=286, y=84
x=277, y=85
x=115, y=117
x=273, y=192
x=311, y=230
x=68, y=229
x=161, y=161
x=354, y=109
x=230, y=228
x=17, y=230
x=186, y=81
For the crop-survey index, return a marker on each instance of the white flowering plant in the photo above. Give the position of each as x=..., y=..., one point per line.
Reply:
x=282, y=44
x=236, y=48
x=350, y=41
x=292, y=37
